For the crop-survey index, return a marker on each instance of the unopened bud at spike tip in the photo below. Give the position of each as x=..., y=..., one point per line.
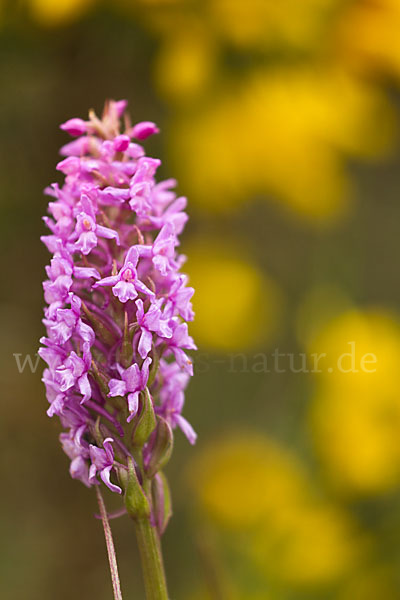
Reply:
x=143, y=130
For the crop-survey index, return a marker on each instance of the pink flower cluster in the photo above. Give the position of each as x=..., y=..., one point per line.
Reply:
x=117, y=303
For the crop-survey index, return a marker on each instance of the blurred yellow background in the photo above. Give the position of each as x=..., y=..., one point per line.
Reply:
x=280, y=121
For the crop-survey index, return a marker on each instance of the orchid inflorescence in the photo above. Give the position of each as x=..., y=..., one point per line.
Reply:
x=117, y=308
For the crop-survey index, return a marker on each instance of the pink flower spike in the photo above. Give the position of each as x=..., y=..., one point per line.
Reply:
x=117, y=302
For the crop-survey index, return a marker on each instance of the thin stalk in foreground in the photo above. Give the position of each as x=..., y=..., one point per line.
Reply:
x=112, y=558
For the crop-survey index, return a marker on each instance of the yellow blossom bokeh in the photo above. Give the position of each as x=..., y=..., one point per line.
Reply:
x=185, y=64
x=249, y=303
x=355, y=414
x=284, y=134
x=249, y=483
x=51, y=13
x=266, y=23
x=376, y=46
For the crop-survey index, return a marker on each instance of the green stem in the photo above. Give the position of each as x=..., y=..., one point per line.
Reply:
x=152, y=564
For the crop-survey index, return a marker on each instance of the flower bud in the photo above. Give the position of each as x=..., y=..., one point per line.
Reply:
x=125, y=354
x=100, y=379
x=143, y=130
x=146, y=420
x=136, y=502
x=154, y=366
x=161, y=497
x=123, y=477
x=101, y=331
x=121, y=143
x=75, y=127
x=161, y=448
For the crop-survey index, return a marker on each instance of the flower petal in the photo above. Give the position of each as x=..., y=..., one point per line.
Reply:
x=117, y=387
